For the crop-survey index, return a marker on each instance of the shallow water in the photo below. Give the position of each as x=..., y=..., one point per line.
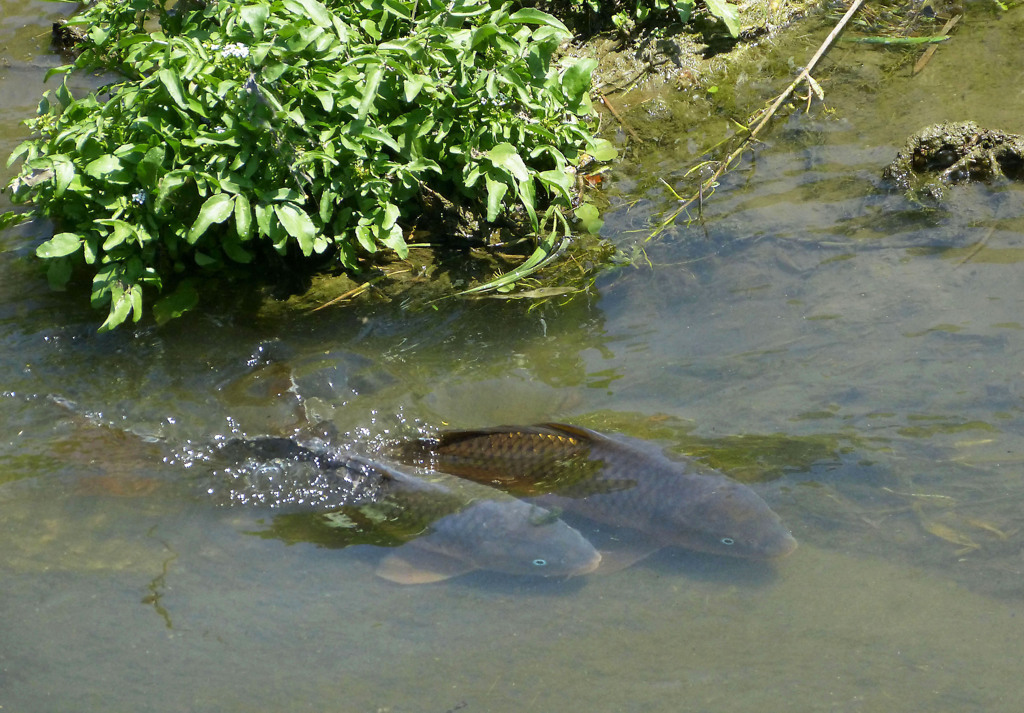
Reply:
x=856, y=357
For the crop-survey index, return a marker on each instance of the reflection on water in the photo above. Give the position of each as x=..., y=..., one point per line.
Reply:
x=853, y=356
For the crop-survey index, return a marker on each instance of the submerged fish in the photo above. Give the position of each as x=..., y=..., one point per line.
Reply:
x=617, y=482
x=448, y=526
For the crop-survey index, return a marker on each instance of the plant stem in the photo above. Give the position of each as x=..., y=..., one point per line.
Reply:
x=805, y=75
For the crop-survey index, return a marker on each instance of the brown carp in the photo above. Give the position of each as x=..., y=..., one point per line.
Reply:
x=445, y=526
x=620, y=482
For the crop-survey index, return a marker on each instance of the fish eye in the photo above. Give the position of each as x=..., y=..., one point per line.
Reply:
x=727, y=541
x=540, y=562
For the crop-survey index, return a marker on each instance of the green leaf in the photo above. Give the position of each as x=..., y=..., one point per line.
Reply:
x=150, y=167
x=373, y=76
x=576, y=81
x=684, y=8
x=414, y=85
x=90, y=249
x=19, y=151
x=398, y=9
x=63, y=173
x=532, y=16
x=254, y=17
x=135, y=293
x=298, y=225
x=282, y=195
x=327, y=200
x=263, y=213
x=394, y=239
x=120, y=308
x=482, y=33
x=10, y=219
x=422, y=165
x=176, y=304
x=495, y=193
x=272, y=71
x=505, y=156
x=172, y=83
x=528, y=198
x=391, y=215
x=169, y=183
x=60, y=245
x=562, y=180
x=727, y=12
x=204, y=260
x=216, y=209
x=326, y=100
x=122, y=232
x=365, y=237
x=243, y=217
x=602, y=150
x=312, y=9
x=590, y=217
x=364, y=131
x=104, y=167
x=547, y=251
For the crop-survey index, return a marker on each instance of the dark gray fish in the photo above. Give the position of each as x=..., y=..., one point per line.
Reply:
x=447, y=526
x=624, y=483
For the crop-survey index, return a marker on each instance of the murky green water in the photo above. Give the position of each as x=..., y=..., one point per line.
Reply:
x=854, y=356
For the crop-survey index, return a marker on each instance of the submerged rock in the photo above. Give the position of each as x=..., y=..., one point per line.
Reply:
x=947, y=154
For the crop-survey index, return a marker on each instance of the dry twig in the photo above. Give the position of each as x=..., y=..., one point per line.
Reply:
x=804, y=76
x=931, y=50
x=611, y=108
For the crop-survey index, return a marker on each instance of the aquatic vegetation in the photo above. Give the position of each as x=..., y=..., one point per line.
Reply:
x=628, y=15
x=248, y=140
x=749, y=458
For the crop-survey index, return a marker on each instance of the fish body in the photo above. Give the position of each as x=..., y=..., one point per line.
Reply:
x=623, y=483
x=459, y=524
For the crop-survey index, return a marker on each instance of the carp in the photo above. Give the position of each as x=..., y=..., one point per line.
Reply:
x=446, y=526
x=620, y=482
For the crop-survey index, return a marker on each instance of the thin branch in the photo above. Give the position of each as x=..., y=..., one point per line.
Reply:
x=926, y=57
x=805, y=75
x=607, y=102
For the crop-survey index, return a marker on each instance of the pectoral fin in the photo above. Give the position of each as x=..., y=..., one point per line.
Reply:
x=622, y=548
x=415, y=565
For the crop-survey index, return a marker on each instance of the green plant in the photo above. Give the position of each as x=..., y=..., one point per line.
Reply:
x=642, y=10
x=242, y=133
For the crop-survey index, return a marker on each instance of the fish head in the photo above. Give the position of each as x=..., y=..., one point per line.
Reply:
x=515, y=537
x=727, y=518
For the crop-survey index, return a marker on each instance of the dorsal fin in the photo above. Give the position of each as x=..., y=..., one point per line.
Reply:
x=575, y=432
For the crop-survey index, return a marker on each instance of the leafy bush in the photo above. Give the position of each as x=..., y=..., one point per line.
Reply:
x=240, y=132
x=722, y=9
x=626, y=15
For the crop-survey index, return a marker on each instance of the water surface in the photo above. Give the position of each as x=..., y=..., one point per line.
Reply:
x=852, y=354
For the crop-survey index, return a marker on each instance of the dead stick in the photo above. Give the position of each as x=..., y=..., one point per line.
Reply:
x=804, y=75
x=926, y=57
x=607, y=103
x=355, y=291
x=975, y=249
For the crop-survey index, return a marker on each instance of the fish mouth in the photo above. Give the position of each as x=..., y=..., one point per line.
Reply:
x=588, y=567
x=783, y=547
